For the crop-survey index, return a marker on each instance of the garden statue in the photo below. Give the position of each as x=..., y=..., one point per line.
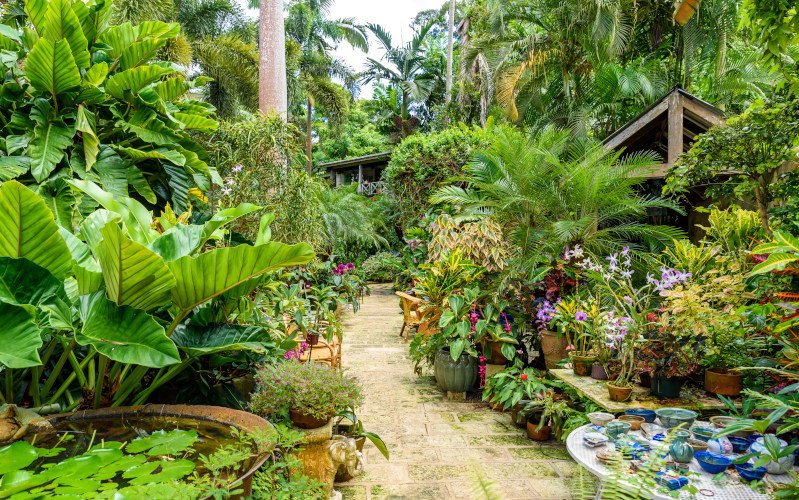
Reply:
x=343, y=451
x=14, y=422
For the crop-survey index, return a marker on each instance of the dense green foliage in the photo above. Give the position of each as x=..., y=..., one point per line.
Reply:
x=91, y=104
x=421, y=163
x=382, y=267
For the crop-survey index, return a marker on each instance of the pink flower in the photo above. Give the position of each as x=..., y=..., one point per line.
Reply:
x=567, y=366
x=570, y=347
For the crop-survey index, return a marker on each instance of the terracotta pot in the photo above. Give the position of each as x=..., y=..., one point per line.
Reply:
x=538, y=434
x=495, y=405
x=619, y=393
x=582, y=364
x=341, y=474
x=598, y=372
x=723, y=382
x=305, y=421
x=553, y=348
x=312, y=338
x=494, y=353
x=646, y=379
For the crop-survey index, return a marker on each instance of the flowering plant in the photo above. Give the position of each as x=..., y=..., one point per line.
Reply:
x=578, y=320
x=627, y=306
x=311, y=388
x=514, y=384
x=461, y=325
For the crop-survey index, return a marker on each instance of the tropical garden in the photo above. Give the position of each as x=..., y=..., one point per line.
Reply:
x=195, y=304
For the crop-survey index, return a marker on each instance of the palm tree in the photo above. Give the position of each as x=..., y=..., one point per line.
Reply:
x=404, y=67
x=314, y=38
x=348, y=219
x=553, y=191
x=450, y=29
x=272, y=91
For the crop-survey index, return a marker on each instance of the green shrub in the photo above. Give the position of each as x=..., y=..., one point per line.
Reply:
x=421, y=163
x=382, y=267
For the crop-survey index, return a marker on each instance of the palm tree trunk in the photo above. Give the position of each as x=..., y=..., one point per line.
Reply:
x=272, y=93
x=450, y=30
x=308, y=143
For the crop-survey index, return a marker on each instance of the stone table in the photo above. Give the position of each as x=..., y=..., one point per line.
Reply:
x=597, y=391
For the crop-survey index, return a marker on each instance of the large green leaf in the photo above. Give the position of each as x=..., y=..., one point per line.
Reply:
x=87, y=280
x=27, y=230
x=51, y=138
x=91, y=225
x=149, y=128
x=141, y=52
x=134, y=79
x=180, y=183
x=12, y=167
x=20, y=338
x=154, y=154
x=117, y=39
x=226, y=216
x=61, y=23
x=36, y=10
x=213, y=273
x=23, y=282
x=84, y=121
x=51, y=68
x=80, y=251
x=60, y=199
x=196, y=122
x=178, y=242
x=198, y=340
x=775, y=262
x=123, y=333
x=135, y=216
x=111, y=169
x=134, y=275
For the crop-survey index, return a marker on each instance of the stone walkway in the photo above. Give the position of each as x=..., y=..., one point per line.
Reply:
x=435, y=445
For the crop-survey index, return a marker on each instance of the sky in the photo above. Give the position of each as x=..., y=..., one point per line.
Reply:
x=395, y=16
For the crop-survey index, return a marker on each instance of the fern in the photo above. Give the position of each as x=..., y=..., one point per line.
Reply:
x=484, y=488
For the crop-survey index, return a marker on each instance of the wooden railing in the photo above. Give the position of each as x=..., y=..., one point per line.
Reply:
x=371, y=188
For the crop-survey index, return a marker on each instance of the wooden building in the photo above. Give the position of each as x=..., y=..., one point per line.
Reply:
x=363, y=170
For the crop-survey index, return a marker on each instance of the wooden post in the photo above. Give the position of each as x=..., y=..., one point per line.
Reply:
x=675, y=127
x=360, y=178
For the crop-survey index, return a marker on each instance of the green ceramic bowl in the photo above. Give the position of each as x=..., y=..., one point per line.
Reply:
x=673, y=417
x=616, y=427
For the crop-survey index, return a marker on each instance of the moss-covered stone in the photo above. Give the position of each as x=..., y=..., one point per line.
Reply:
x=437, y=472
x=415, y=491
x=352, y=492
x=499, y=440
x=540, y=453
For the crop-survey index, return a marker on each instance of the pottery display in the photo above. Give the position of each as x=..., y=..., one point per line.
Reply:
x=773, y=467
x=680, y=450
x=634, y=420
x=674, y=417
x=712, y=462
x=720, y=445
x=616, y=428
x=600, y=418
x=650, y=430
x=747, y=473
x=648, y=415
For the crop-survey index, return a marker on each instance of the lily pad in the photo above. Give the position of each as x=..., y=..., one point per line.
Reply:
x=16, y=456
x=163, y=442
x=169, y=471
x=123, y=464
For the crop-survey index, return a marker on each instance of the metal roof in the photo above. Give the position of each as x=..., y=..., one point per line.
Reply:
x=361, y=160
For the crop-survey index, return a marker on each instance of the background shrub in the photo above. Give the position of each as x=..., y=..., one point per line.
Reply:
x=382, y=267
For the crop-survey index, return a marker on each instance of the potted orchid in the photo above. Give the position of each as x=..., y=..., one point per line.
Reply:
x=627, y=306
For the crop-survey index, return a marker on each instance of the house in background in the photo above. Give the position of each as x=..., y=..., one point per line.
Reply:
x=668, y=127
x=363, y=170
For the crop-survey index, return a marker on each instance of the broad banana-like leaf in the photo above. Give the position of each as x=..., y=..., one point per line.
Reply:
x=81, y=253
x=265, y=229
x=91, y=225
x=180, y=183
x=138, y=182
x=213, y=273
x=123, y=333
x=84, y=121
x=87, y=281
x=136, y=218
x=196, y=122
x=775, y=262
x=227, y=216
x=172, y=89
x=156, y=29
x=61, y=23
x=141, y=52
x=155, y=154
x=118, y=38
x=12, y=167
x=20, y=338
x=60, y=199
x=50, y=67
x=27, y=230
x=111, y=169
x=134, y=80
x=36, y=10
x=50, y=140
x=96, y=74
x=23, y=282
x=133, y=274
x=146, y=125
x=178, y=241
x=199, y=340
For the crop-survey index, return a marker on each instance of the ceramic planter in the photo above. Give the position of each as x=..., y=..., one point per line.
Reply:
x=598, y=372
x=723, y=382
x=312, y=338
x=582, y=364
x=455, y=376
x=680, y=449
x=666, y=387
x=554, y=348
x=305, y=421
x=619, y=393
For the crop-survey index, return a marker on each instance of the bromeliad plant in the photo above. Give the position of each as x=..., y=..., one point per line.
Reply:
x=90, y=313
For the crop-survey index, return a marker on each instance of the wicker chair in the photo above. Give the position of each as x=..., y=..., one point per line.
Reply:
x=325, y=352
x=411, y=316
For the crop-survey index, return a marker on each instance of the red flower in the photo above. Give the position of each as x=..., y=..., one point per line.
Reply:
x=524, y=377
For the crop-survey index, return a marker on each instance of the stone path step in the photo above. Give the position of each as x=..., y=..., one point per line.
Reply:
x=435, y=445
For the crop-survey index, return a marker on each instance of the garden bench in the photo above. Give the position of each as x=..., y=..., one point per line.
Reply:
x=410, y=312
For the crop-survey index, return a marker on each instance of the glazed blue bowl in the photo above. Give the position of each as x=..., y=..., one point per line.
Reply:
x=674, y=417
x=648, y=415
x=702, y=432
x=712, y=462
x=739, y=444
x=747, y=473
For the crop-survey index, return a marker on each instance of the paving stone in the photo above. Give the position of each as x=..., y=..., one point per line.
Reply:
x=443, y=440
x=499, y=440
x=402, y=455
x=515, y=490
x=438, y=472
x=470, y=428
x=412, y=491
x=457, y=455
x=352, y=492
x=388, y=472
x=520, y=470
x=485, y=416
x=540, y=453
x=552, y=488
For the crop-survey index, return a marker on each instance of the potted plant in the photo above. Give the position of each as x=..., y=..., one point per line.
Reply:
x=554, y=345
x=308, y=393
x=667, y=356
x=708, y=309
x=509, y=387
x=578, y=319
x=460, y=331
x=347, y=424
x=500, y=339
